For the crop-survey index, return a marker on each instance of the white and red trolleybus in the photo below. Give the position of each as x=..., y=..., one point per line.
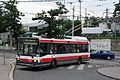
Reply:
x=38, y=51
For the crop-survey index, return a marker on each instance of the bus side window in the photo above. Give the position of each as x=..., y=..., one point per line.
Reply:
x=61, y=49
x=44, y=47
x=53, y=48
x=84, y=48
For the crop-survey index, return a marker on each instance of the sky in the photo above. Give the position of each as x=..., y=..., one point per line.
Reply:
x=93, y=7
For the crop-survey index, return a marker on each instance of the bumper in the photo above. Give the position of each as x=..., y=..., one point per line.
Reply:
x=30, y=64
x=86, y=59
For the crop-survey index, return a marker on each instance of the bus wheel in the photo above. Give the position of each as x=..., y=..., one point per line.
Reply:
x=53, y=64
x=79, y=61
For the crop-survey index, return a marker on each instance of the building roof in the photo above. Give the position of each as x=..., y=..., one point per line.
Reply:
x=95, y=30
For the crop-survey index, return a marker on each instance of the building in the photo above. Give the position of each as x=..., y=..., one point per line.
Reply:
x=35, y=26
x=109, y=26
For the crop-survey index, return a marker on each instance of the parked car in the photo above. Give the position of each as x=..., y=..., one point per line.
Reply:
x=102, y=54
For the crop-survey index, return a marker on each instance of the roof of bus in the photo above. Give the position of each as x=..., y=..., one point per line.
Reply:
x=82, y=40
x=74, y=40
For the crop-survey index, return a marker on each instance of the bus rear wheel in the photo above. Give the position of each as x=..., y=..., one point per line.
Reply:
x=53, y=64
x=79, y=61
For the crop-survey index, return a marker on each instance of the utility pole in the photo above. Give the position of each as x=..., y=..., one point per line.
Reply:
x=73, y=22
x=85, y=12
x=106, y=13
x=80, y=9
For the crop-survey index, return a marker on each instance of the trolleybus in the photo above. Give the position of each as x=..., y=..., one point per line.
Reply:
x=39, y=51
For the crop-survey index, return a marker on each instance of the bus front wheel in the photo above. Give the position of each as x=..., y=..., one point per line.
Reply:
x=53, y=64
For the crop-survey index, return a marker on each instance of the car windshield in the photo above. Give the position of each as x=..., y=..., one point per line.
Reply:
x=104, y=52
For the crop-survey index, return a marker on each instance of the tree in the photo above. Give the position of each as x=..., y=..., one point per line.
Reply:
x=54, y=25
x=92, y=21
x=116, y=12
x=1, y=19
x=78, y=29
x=11, y=18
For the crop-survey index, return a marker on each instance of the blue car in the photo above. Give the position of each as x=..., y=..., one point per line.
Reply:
x=102, y=54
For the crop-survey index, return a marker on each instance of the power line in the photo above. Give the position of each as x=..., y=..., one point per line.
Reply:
x=42, y=1
x=37, y=0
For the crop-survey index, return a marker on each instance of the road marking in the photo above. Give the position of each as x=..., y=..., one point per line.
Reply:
x=90, y=66
x=13, y=61
x=71, y=67
x=81, y=67
x=98, y=66
x=60, y=67
x=10, y=59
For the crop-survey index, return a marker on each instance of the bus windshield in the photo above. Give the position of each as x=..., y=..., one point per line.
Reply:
x=33, y=50
x=28, y=46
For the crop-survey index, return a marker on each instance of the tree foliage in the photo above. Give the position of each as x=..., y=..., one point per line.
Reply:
x=54, y=29
x=10, y=17
x=116, y=12
x=92, y=21
x=78, y=28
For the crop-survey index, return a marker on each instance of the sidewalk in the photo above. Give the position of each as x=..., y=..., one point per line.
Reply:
x=112, y=72
x=7, y=48
x=6, y=70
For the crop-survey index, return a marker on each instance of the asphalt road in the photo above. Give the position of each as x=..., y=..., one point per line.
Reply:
x=85, y=71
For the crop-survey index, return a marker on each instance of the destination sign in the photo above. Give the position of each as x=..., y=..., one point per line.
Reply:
x=32, y=41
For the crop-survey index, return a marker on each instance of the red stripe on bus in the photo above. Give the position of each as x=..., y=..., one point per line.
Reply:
x=63, y=58
x=75, y=42
x=67, y=58
x=46, y=60
x=59, y=41
x=25, y=60
x=62, y=41
x=45, y=40
x=84, y=56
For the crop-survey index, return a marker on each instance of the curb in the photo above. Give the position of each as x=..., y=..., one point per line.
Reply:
x=117, y=58
x=11, y=73
x=107, y=75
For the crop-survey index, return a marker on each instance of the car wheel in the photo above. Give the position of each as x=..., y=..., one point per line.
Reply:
x=108, y=57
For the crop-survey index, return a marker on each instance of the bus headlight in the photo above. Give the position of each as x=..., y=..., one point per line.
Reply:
x=18, y=59
x=35, y=60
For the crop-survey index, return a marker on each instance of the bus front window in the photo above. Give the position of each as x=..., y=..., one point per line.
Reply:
x=30, y=50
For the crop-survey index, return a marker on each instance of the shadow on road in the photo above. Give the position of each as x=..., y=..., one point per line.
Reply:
x=43, y=68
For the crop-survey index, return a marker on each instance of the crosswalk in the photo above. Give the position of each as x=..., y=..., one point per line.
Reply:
x=71, y=67
x=80, y=67
x=83, y=66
